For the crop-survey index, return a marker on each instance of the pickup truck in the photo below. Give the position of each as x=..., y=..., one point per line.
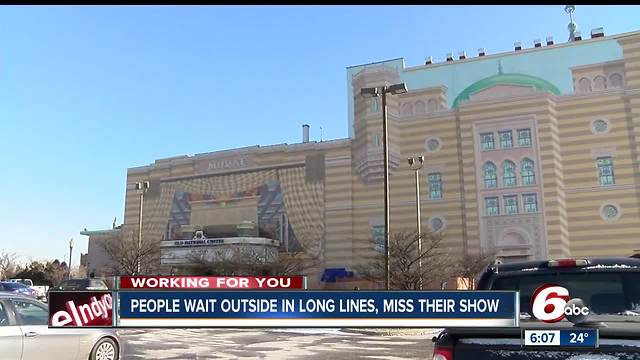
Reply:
x=608, y=287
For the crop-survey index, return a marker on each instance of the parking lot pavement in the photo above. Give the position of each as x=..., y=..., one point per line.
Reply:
x=305, y=344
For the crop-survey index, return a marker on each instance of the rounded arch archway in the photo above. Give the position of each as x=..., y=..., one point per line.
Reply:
x=514, y=237
x=537, y=83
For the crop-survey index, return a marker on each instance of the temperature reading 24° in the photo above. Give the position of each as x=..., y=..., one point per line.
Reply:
x=578, y=338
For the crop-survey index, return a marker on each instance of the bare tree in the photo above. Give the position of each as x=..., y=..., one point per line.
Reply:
x=125, y=253
x=292, y=264
x=8, y=265
x=79, y=272
x=468, y=266
x=404, y=261
x=243, y=261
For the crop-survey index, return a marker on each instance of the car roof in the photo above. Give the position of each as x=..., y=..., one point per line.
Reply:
x=4, y=295
x=602, y=262
x=82, y=280
x=542, y=267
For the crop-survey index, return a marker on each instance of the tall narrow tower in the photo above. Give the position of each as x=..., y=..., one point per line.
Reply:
x=367, y=144
x=572, y=27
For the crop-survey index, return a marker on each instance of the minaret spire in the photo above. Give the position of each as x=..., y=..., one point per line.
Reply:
x=572, y=27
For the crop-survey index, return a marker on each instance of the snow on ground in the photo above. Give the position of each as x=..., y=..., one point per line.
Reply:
x=292, y=343
x=313, y=331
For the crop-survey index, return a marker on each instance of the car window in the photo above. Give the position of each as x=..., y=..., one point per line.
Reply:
x=73, y=285
x=603, y=293
x=4, y=318
x=98, y=283
x=30, y=312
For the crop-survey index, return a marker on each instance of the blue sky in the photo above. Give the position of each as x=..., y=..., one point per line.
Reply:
x=86, y=92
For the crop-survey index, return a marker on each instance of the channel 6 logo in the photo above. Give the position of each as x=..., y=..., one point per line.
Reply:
x=551, y=303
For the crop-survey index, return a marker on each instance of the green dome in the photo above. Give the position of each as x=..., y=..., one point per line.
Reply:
x=505, y=79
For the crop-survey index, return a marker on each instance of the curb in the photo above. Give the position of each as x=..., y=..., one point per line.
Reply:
x=393, y=331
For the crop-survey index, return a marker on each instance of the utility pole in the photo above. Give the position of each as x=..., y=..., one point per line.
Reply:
x=70, y=256
x=416, y=164
x=142, y=187
x=395, y=89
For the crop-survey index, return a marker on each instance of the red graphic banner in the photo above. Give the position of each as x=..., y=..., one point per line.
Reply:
x=80, y=309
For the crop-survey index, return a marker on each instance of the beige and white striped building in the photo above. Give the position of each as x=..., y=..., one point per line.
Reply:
x=534, y=153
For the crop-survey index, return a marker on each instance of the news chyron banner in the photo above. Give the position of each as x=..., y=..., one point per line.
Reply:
x=317, y=309
x=280, y=301
x=81, y=309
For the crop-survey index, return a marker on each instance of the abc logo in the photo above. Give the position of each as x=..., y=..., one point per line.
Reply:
x=550, y=303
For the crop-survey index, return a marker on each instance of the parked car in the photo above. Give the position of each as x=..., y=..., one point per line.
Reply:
x=27, y=282
x=41, y=290
x=25, y=334
x=608, y=287
x=18, y=288
x=82, y=284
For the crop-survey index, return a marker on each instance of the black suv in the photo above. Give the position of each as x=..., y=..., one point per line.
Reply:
x=609, y=287
x=82, y=284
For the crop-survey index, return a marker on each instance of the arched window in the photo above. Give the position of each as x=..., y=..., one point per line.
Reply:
x=490, y=175
x=527, y=172
x=419, y=107
x=600, y=82
x=605, y=170
x=432, y=105
x=376, y=139
x=435, y=185
x=407, y=109
x=509, y=173
x=530, y=203
x=584, y=85
x=375, y=105
x=615, y=80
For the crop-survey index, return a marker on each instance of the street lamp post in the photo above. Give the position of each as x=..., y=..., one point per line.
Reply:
x=382, y=91
x=142, y=187
x=70, y=256
x=415, y=163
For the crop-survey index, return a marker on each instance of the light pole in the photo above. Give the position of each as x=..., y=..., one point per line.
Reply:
x=415, y=163
x=142, y=187
x=70, y=256
x=382, y=91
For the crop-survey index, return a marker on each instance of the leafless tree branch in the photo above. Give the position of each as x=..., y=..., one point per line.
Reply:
x=125, y=254
x=8, y=265
x=404, y=261
x=469, y=266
